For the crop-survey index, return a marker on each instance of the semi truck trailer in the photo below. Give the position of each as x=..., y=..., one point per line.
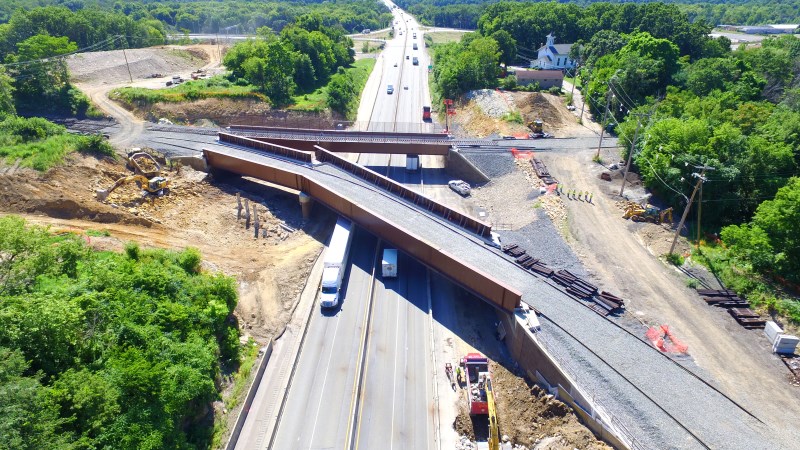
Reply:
x=334, y=263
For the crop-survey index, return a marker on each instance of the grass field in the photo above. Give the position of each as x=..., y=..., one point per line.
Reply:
x=443, y=37
x=215, y=87
x=317, y=100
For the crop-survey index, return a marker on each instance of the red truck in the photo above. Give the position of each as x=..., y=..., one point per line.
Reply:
x=476, y=367
x=426, y=113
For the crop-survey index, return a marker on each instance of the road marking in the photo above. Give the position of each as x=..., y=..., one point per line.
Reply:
x=353, y=424
x=394, y=372
x=325, y=379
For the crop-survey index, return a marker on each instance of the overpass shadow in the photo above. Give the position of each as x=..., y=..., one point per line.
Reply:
x=281, y=204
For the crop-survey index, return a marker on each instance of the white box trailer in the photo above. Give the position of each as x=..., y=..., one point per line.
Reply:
x=389, y=263
x=334, y=263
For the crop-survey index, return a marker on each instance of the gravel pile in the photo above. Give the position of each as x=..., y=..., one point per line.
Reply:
x=629, y=378
x=542, y=241
x=493, y=164
x=465, y=444
x=491, y=103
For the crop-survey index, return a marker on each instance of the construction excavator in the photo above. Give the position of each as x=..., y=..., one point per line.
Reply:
x=154, y=187
x=638, y=213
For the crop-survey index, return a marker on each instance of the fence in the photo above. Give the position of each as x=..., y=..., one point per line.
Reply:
x=329, y=123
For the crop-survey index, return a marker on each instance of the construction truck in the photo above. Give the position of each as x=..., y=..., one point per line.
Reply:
x=537, y=130
x=154, y=187
x=638, y=213
x=476, y=368
x=143, y=163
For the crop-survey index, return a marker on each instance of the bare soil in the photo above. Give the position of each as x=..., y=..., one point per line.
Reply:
x=471, y=121
x=271, y=271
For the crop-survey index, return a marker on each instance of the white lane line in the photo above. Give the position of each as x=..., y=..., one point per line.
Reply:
x=325, y=379
x=394, y=372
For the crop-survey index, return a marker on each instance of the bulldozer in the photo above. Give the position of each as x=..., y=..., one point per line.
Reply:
x=650, y=214
x=154, y=187
x=537, y=129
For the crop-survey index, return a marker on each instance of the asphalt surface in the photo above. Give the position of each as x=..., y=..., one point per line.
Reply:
x=396, y=398
x=322, y=392
x=655, y=399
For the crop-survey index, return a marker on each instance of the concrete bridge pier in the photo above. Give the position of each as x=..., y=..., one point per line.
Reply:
x=306, y=202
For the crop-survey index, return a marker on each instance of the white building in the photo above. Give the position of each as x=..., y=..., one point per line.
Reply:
x=553, y=56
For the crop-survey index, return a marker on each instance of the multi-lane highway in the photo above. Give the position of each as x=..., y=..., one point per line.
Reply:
x=363, y=375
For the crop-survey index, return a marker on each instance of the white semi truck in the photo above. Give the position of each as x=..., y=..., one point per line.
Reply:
x=334, y=263
x=389, y=263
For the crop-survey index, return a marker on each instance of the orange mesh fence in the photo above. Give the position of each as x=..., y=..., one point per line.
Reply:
x=665, y=340
x=521, y=154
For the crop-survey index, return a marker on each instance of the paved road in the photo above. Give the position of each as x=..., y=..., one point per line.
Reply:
x=321, y=396
x=397, y=403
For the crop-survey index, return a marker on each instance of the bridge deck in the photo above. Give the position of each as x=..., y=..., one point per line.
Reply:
x=655, y=399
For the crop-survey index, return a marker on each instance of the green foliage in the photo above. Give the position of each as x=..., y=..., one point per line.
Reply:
x=6, y=95
x=344, y=89
x=98, y=233
x=215, y=87
x=461, y=67
x=675, y=259
x=122, y=352
x=40, y=144
x=692, y=283
x=513, y=117
x=133, y=251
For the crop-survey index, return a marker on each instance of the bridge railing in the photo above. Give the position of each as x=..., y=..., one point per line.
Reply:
x=323, y=123
x=274, y=149
x=448, y=214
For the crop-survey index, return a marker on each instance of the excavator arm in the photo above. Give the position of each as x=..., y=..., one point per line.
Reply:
x=138, y=179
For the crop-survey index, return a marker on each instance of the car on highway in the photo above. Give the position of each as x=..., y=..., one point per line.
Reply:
x=395, y=64
x=390, y=89
x=405, y=87
x=407, y=56
x=461, y=187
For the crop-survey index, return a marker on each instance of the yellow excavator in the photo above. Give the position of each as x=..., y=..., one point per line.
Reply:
x=648, y=214
x=154, y=187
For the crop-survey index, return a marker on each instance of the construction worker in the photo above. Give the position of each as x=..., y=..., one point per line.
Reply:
x=458, y=375
x=591, y=196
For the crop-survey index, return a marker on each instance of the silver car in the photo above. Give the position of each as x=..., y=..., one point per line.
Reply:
x=460, y=187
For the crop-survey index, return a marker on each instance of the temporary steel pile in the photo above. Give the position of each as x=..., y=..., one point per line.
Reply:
x=738, y=308
x=604, y=303
x=541, y=171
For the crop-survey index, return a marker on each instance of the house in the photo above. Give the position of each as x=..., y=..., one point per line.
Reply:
x=546, y=78
x=553, y=56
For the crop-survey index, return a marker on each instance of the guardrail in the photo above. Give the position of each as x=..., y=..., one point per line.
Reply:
x=450, y=215
x=338, y=134
x=327, y=124
x=273, y=149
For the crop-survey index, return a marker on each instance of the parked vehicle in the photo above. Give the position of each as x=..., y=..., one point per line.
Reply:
x=334, y=263
x=389, y=263
x=460, y=187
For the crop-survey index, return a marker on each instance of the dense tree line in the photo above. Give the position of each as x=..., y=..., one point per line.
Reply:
x=205, y=16
x=108, y=350
x=304, y=55
x=465, y=13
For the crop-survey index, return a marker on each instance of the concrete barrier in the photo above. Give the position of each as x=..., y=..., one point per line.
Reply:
x=251, y=394
x=460, y=167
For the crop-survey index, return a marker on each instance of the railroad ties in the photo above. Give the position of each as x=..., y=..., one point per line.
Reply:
x=738, y=308
x=603, y=303
x=542, y=172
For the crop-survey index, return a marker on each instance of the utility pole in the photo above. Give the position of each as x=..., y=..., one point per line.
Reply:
x=700, y=179
x=630, y=154
x=699, y=213
x=609, y=95
x=126, y=65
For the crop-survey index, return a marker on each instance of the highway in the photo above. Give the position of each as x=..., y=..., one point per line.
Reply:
x=321, y=396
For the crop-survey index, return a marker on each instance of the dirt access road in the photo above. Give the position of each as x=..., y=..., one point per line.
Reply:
x=623, y=257
x=98, y=73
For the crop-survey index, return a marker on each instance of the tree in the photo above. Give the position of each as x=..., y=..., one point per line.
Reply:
x=604, y=42
x=507, y=46
x=6, y=95
x=40, y=78
x=341, y=92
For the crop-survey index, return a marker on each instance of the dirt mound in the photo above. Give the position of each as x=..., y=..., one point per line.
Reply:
x=271, y=270
x=548, y=108
x=109, y=67
x=529, y=416
x=60, y=193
